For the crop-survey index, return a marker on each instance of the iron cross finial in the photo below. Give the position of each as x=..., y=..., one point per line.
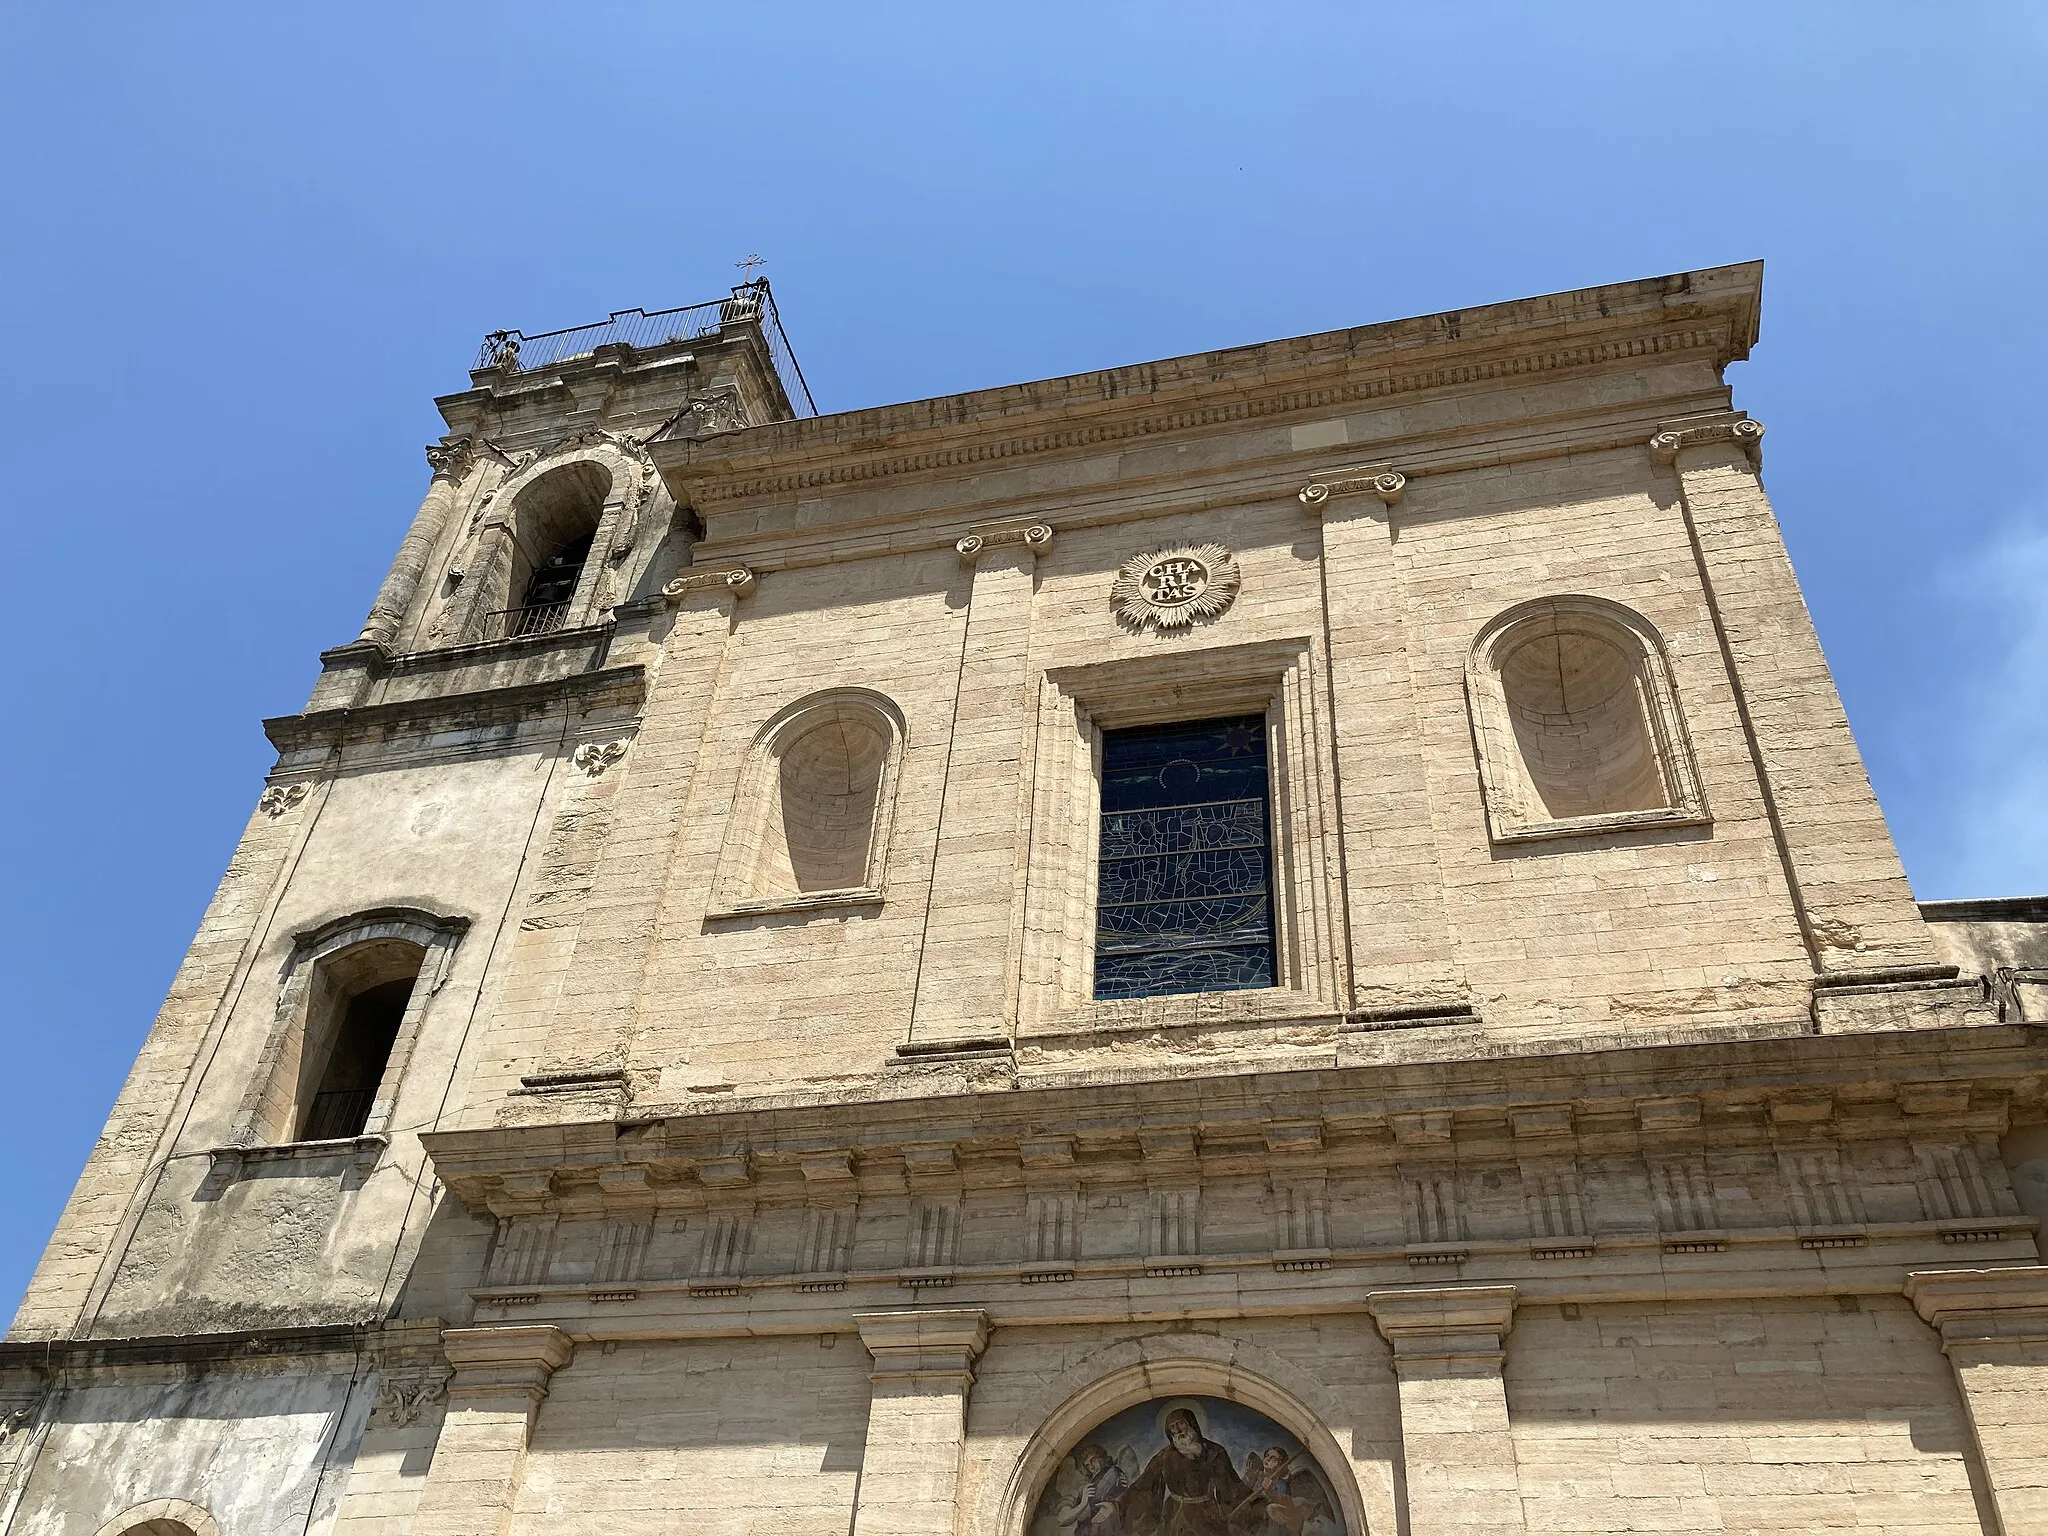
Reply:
x=754, y=259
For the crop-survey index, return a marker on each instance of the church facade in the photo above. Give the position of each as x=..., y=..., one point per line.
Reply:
x=1286, y=942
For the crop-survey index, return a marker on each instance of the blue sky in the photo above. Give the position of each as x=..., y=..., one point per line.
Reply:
x=241, y=248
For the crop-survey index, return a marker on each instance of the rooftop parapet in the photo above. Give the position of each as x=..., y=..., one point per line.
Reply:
x=507, y=354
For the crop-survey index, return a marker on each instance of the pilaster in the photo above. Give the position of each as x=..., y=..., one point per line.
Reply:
x=615, y=940
x=1854, y=905
x=1456, y=1449
x=500, y=1377
x=1403, y=957
x=917, y=1418
x=451, y=464
x=1994, y=1329
x=967, y=971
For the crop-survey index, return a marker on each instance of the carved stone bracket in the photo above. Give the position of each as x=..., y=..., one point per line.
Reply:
x=594, y=757
x=1673, y=437
x=412, y=1372
x=1035, y=538
x=1381, y=480
x=279, y=798
x=739, y=581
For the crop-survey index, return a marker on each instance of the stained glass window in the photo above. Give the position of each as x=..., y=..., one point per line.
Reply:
x=1184, y=903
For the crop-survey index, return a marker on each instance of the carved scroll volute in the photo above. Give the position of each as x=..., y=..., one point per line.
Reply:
x=1674, y=438
x=1034, y=538
x=1380, y=480
x=738, y=582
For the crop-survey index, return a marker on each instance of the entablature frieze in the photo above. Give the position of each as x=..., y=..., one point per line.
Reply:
x=773, y=538
x=1955, y=1087
x=1710, y=314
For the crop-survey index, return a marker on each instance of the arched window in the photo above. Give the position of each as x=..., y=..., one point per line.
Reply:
x=810, y=818
x=360, y=998
x=349, y=1008
x=162, y=1517
x=1576, y=723
x=554, y=522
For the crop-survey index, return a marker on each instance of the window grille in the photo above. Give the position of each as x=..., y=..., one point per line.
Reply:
x=1184, y=899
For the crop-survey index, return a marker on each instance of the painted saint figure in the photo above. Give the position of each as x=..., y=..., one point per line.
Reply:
x=1188, y=1489
x=1093, y=1511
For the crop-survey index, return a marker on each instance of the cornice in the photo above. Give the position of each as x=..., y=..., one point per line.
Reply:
x=1711, y=312
x=617, y=687
x=1743, y=1090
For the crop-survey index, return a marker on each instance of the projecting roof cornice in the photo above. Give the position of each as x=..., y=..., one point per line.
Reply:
x=1709, y=314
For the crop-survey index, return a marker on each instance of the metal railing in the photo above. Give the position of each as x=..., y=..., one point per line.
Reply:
x=751, y=303
x=338, y=1114
x=533, y=619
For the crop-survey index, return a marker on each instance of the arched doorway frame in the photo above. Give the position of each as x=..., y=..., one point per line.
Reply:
x=1157, y=1366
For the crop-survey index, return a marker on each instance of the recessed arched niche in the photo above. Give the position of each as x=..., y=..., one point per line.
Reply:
x=810, y=818
x=1188, y=1464
x=1577, y=725
x=554, y=523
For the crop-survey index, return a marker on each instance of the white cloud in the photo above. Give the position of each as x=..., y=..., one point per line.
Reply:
x=1996, y=746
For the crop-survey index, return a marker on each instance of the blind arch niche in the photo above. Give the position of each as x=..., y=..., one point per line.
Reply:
x=810, y=818
x=1576, y=723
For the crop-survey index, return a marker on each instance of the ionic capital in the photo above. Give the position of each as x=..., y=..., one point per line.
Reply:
x=1674, y=437
x=739, y=581
x=1034, y=538
x=1381, y=480
x=451, y=461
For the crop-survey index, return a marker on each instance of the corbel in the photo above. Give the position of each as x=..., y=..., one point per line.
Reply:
x=1381, y=480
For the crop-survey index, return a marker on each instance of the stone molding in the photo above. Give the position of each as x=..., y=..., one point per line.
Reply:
x=1674, y=437
x=1381, y=480
x=704, y=489
x=1714, y=312
x=505, y=1361
x=738, y=581
x=1982, y=1307
x=1450, y=1323
x=622, y=688
x=1034, y=538
x=939, y=1347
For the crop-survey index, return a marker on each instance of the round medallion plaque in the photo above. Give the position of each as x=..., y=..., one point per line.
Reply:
x=1175, y=588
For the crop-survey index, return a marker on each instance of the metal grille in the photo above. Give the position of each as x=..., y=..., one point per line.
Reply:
x=1184, y=900
x=339, y=1114
x=534, y=619
x=751, y=303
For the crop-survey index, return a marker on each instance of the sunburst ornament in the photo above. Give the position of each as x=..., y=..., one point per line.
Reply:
x=1170, y=589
